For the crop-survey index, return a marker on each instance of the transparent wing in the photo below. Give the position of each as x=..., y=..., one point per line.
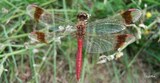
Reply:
x=114, y=24
x=108, y=25
x=42, y=15
x=100, y=44
x=39, y=14
x=136, y=14
x=105, y=27
x=107, y=43
x=106, y=35
x=48, y=19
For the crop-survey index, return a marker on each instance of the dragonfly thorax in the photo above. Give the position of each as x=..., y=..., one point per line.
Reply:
x=81, y=29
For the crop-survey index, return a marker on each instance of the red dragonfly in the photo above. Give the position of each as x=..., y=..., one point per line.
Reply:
x=104, y=35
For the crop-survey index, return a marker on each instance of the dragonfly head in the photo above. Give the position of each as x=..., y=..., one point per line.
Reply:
x=82, y=16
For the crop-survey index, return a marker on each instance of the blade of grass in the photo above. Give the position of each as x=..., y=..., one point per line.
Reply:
x=15, y=37
x=85, y=62
x=54, y=62
x=44, y=58
x=48, y=2
x=65, y=8
x=116, y=73
x=33, y=65
x=1, y=69
x=10, y=48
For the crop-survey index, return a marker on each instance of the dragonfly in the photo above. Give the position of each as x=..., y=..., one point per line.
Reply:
x=101, y=36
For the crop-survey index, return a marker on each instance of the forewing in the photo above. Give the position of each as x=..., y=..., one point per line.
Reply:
x=136, y=14
x=105, y=26
x=131, y=16
x=115, y=23
x=48, y=19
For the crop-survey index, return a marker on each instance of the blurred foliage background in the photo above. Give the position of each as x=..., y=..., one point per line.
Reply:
x=55, y=63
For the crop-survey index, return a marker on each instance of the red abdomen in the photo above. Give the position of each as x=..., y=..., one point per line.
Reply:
x=79, y=58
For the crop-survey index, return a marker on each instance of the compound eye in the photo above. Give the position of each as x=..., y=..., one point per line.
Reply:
x=82, y=16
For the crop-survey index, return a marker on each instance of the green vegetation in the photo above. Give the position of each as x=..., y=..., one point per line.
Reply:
x=23, y=61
